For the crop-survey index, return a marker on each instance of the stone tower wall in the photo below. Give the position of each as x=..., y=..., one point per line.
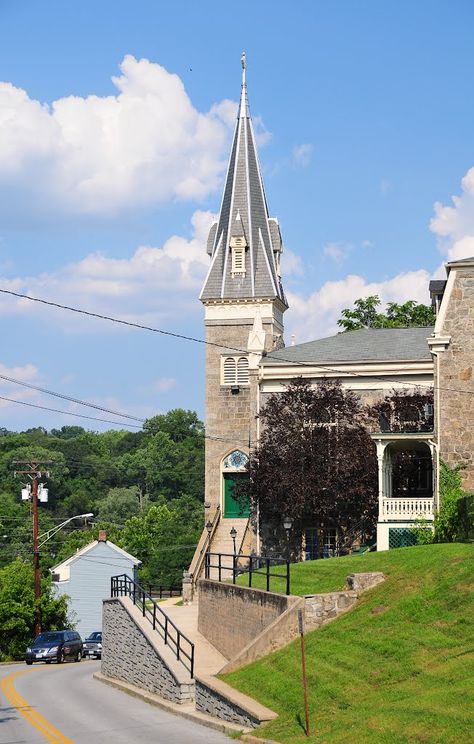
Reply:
x=230, y=418
x=456, y=379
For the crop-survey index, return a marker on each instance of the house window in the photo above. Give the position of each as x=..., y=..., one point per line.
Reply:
x=235, y=371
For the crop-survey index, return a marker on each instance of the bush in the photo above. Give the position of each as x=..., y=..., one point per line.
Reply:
x=455, y=519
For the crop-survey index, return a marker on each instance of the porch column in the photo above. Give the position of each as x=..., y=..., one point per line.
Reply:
x=381, y=472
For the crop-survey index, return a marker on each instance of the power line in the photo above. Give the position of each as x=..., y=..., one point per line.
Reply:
x=204, y=342
x=67, y=397
x=68, y=413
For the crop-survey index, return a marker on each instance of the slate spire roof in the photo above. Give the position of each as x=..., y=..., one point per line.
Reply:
x=244, y=220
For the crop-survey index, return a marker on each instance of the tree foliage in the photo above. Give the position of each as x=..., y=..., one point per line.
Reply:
x=17, y=608
x=315, y=458
x=403, y=410
x=455, y=518
x=366, y=315
x=116, y=475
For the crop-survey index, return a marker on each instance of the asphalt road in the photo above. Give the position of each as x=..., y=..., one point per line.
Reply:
x=64, y=704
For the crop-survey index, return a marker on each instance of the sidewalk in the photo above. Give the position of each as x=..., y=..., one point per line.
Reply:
x=207, y=660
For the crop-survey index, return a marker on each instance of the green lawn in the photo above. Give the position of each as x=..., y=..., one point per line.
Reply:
x=398, y=668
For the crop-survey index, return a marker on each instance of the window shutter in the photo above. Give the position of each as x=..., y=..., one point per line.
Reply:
x=229, y=371
x=242, y=371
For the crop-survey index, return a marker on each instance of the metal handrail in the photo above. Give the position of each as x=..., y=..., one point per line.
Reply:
x=251, y=571
x=203, y=546
x=123, y=585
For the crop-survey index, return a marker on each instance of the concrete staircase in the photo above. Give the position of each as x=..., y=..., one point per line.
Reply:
x=222, y=543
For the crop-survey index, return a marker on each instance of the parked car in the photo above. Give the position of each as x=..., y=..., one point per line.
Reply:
x=55, y=645
x=92, y=646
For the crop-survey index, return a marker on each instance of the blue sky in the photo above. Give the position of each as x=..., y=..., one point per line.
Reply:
x=115, y=123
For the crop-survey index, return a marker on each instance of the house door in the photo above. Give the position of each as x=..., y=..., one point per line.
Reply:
x=234, y=509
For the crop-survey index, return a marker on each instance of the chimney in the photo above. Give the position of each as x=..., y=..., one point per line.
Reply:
x=102, y=536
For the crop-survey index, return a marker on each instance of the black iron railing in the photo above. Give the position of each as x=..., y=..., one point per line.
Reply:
x=180, y=645
x=161, y=591
x=229, y=565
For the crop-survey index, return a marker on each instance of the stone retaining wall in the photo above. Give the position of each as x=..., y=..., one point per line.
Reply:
x=132, y=653
x=231, y=616
x=321, y=608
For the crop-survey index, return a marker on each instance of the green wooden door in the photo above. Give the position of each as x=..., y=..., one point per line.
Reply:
x=233, y=508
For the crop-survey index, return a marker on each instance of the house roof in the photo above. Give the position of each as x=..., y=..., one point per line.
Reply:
x=366, y=345
x=87, y=548
x=244, y=214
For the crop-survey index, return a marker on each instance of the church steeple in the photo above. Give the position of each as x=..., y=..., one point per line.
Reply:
x=245, y=243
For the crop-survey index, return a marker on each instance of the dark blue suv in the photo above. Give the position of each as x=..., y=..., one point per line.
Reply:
x=56, y=645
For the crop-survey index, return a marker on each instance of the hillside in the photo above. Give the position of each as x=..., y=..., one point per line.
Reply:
x=398, y=668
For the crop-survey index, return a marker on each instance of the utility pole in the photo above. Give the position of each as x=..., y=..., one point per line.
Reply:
x=33, y=472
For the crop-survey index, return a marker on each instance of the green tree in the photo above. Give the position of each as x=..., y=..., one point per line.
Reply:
x=17, y=609
x=366, y=315
x=119, y=505
x=164, y=541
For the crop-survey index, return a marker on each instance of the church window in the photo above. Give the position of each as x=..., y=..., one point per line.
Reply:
x=235, y=371
x=237, y=247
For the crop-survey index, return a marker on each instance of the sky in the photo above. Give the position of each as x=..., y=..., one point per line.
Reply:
x=115, y=126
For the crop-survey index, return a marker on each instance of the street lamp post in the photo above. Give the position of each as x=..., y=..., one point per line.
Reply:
x=52, y=532
x=288, y=524
x=233, y=534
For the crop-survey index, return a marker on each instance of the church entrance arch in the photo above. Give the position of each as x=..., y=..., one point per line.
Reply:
x=234, y=470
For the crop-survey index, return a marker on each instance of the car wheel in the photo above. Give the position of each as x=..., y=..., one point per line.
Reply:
x=48, y=661
x=78, y=656
x=61, y=657
x=29, y=663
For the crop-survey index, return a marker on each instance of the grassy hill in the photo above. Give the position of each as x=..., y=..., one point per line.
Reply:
x=398, y=668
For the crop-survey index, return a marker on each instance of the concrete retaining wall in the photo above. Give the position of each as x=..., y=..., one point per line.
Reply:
x=231, y=617
x=133, y=652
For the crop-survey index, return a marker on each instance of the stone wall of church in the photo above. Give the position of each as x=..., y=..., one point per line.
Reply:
x=456, y=380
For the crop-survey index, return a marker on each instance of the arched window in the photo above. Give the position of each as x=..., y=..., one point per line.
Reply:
x=235, y=370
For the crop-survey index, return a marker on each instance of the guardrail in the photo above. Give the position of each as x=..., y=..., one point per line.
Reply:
x=257, y=565
x=180, y=645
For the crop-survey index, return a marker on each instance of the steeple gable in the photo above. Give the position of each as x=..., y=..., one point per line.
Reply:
x=245, y=243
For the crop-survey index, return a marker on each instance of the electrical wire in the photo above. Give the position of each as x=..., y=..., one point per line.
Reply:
x=204, y=342
x=68, y=413
x=67, y=397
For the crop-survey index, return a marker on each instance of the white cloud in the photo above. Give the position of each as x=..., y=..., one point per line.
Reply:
x=316, y=316
x=153, y=286
x=291, y=264
x=164, y=384
x=302, y=154
x=454, y=225
x=26, y=373
x=338, y=252
x=145, y=145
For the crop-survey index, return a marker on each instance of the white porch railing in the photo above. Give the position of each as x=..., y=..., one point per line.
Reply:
x=406, y=509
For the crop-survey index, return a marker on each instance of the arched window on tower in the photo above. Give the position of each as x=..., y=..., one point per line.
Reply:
x=235, y=370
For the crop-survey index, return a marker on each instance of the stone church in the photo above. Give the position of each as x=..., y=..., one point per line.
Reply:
x=246, y=361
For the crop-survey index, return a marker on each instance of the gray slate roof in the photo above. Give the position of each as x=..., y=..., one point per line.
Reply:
x=367, y=345
x=244, y=211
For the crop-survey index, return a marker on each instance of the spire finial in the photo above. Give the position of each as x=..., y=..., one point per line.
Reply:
x=244, y=106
